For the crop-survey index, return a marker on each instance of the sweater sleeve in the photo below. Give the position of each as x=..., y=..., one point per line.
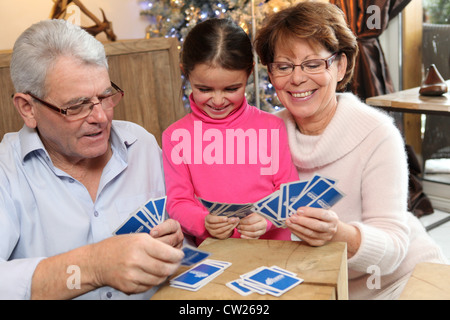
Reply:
x=182, y=205
x=384, y=186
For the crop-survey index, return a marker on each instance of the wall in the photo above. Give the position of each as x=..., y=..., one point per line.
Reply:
x=390, y=41
x=17, y=15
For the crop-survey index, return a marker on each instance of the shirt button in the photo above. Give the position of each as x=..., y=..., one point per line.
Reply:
x=71, y=180
x=109, y=295
x=95, y=213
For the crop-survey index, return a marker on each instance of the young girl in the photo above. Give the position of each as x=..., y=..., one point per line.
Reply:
x=225, y=150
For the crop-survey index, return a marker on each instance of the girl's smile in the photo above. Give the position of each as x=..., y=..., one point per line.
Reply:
x=217, y=91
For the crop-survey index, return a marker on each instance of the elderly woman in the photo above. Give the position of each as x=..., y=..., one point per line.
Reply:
x=310, y=54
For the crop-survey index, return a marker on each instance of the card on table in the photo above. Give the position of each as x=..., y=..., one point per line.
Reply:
x=239, y=288
x=199, y=275
x=274, y=280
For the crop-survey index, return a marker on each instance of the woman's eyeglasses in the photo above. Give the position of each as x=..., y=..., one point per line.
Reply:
x=279, y=69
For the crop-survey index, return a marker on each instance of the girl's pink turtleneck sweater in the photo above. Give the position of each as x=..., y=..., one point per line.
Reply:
x=239, y=159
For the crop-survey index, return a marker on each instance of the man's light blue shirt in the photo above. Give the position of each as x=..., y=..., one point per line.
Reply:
x=45, y=212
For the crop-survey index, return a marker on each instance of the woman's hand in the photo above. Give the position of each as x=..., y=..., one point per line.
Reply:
x=313, y=225
x=318, y=226
x=220, y=227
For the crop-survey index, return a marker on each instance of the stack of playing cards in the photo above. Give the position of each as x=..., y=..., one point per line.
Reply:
x=274, y=281
x=152, y=213
x=319, y=192
x=228, y=209
x=199, y=275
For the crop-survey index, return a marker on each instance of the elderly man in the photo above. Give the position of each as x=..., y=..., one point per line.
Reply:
x=72, y=175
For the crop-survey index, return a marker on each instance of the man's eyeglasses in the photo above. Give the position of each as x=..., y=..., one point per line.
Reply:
x=279, y=69
x=84, y=109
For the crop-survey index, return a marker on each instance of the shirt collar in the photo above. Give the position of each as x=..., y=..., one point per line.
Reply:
x=29, y=142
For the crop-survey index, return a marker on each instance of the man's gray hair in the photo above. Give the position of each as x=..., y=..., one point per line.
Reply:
x=38, y=47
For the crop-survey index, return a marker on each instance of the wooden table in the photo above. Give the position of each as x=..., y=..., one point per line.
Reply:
x=410, y=101
x=429, y=281
x=324, y=269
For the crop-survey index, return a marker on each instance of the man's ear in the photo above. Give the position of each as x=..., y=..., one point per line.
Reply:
x=25, y=106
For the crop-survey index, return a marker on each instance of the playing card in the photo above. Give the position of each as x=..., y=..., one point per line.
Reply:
x=132, y=225
x=160, y=206
x=230, y=210
x=153, y=212
x=261, y=203
x=209, y=205
x=313, y=192
x=193, y=255
x=239, y=288
x=327, y=199
x=294, y=190
x=218, y=263
x=145, y=218
x=281, y=270
x=268, y=214
x=238, y=210
x=284, y=202
x=196, y=277
x=272, y=281
x=274, y=205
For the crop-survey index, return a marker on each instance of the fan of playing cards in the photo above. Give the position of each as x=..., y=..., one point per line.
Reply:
x=318, y=192
x=152, y=213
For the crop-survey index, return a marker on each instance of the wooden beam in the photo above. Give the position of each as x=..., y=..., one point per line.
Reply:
x=412, y=71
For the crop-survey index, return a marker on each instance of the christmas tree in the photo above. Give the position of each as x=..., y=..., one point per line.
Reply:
x=174, y=18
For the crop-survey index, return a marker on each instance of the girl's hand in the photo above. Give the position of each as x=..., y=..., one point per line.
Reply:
x=252, y=226
x=220, y=227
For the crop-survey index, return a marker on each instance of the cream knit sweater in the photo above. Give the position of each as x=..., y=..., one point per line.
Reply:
x=364, y=151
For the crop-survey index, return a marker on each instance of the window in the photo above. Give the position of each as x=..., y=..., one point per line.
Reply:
x=436, y=132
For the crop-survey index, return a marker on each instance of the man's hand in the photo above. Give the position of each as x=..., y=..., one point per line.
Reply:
x=134, y=263
x=131, y=263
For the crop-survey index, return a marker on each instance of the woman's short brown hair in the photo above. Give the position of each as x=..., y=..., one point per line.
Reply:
x=318, y=22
